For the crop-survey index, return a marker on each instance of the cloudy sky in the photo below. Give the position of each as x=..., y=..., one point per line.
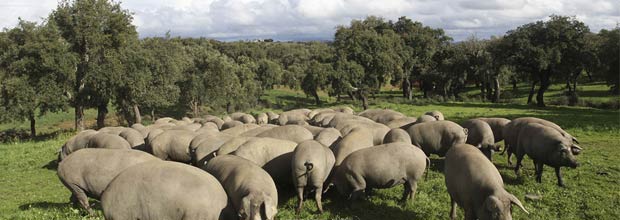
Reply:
x=317, y=19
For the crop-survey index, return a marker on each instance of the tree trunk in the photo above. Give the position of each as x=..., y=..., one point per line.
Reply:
x=544, y=85
x=153, y=115
x=364, y=99
x=406, y=89
x=496, y=89
x=228, y=108
x=483, y=88
x=514, y=85
x=489, y=90
x=573, y=99
x=33, y=129
x=532, y=90
x=102, y=111
x=351, y=95
x=316, y=98
x=137, y=115
x=79, y=117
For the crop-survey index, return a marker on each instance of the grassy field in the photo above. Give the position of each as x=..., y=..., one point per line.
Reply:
x=30, y=189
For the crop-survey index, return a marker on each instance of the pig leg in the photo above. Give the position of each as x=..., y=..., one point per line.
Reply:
x=452, y=209
x=410, y=189
x=469, y=214
x=509, y=157
x=539, y=171
x=518, y=165
x=300, y=196
x=559, y=175
x=81, y=197
x=317, y=197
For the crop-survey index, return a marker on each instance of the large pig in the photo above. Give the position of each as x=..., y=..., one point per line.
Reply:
x=164, y=190
x=293, y=133
x=88, y=172
x=436, y=137
x=312, y=163
x=382, y=166
x=512, y=131
x=475, y=184
x=77, y=142
x=273, y=155
x=173, y=145
x=251, y=190
x=480, y=134
x=546, y=146
x=497, y=125
x=355, y=140
x=107, y=140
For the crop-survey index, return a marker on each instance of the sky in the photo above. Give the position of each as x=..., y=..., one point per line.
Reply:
x=301, y=20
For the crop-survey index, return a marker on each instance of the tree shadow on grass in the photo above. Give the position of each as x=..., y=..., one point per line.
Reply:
x=58, y=205
x=364, y=209
x=20, y=135
x=437, y=164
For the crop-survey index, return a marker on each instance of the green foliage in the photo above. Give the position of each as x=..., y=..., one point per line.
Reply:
x=35, y=67
x=316, y=78
x=549, y=49
x=269, y=73
x=609, y=55
x=97, y=31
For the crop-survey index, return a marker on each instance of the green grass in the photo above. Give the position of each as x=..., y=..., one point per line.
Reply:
x=30, y=189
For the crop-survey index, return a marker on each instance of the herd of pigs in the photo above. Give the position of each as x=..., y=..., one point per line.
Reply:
x=228, y=168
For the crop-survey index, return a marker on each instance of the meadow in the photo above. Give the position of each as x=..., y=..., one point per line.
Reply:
x=30, y=189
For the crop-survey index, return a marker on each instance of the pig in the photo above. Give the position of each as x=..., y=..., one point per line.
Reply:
x=107, y=140
x=328, y=137
x=381, y=166
x=425, y=118
x=475, y=184
x=479, y=133
x=77, y=142
x=512, y=131
x=397, y=135
x=497, y=125
x=357, y=139
x=293, y=133
x=173, y=145
x=546, y=146
x=403, y=123
x=230, y=124
x=88, y=172
x=243, y=117
x=273, y=155
x=436, y=114
x=238, y=129
x=164, y=190
x=262, y=118
x=251, y=190
x=436, y=137
x=312, y=163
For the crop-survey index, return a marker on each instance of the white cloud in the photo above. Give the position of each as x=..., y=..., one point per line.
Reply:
x=317, y=19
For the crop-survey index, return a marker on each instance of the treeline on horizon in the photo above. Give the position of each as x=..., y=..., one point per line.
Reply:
x=87, y=54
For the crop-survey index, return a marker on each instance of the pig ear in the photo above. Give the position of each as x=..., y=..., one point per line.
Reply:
x=492, y=203
x=576, y=149
x=269, y=206
x=245, y=208
x=516, y=201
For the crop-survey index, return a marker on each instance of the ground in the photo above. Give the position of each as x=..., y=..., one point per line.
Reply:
x=30, y=189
